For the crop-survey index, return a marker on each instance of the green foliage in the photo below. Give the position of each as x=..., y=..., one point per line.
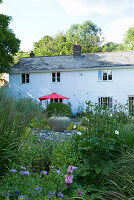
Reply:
x=129, y=38
x=9, y=44
x=12, y=131
x=64, y=154
x=110, y=46
x=27, y=106
x=19, y=55
x=87, y=34
x=58, y=109
x=40, y=123
x=127, y=133
x=101, y=144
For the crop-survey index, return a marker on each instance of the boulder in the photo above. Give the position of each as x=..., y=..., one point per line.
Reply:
x=59, y=123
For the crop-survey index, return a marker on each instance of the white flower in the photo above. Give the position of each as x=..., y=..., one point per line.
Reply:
x=111, y=115
x=79, y=133
x=74, y=126
x=116, y=132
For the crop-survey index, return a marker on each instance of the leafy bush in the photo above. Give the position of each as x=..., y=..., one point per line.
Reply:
x=58, y=109
x=39, y=122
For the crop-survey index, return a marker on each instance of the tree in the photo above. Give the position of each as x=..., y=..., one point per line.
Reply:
x=129, y=39
x=9, y=44
x=19, y=55
x=87, y=34
x=110, y=46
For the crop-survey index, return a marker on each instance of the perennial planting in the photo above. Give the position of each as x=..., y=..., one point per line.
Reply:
x=95, y=162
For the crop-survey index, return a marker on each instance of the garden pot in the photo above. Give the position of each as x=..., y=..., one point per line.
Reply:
x=59, y=123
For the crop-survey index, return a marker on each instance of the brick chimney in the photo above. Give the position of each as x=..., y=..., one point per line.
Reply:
x=76, y=50
x=32, y=54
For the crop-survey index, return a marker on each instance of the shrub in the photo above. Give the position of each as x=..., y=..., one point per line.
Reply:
x=58, y=109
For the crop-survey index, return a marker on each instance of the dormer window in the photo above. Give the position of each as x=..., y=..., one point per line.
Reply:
x=25, y=78
x=56, y=77
x=105, y=75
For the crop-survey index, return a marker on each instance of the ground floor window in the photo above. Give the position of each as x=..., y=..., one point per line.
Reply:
x=56, y=100
x=105, y=102
x=131, y=105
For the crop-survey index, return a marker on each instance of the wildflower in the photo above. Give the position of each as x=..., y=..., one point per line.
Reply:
x=68, y=179
x=116, y=132
x=44, y=172
x=74, y=126
x=38, y=188
x=79, y=192
x=24, y=168
x=61, y=195
x=58, y=171
x=78, y=133
x=71, y=168
x=121, y=107
x=13, y=170
x=25, y=172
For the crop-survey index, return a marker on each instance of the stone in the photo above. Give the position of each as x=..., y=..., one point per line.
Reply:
x=59, y=123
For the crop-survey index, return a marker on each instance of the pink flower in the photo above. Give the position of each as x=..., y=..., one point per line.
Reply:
x=121, y=107
x=70, y=169
x=68, y=179
x=79, y=192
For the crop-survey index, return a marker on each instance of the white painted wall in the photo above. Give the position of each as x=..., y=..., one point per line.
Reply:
x=79, y=86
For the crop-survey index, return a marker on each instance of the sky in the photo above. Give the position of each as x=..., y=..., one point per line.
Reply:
x=33, y=19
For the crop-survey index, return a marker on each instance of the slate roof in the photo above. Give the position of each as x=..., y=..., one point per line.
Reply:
x=68, y=62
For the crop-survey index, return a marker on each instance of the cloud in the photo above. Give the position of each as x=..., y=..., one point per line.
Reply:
x=2, y=8
x=117, y=29
x=103, y=7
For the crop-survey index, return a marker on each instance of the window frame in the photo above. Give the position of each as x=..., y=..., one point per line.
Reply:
x=25, y=78
x=108, y=103
x=105, y=75
x=56, y=77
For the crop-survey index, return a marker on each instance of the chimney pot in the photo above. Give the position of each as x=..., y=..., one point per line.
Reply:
x=76, y=50
x=32, y=54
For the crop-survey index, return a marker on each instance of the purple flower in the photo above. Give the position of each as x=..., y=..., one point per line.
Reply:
x=21, y=196
x=68, y=179
x=58, y=171
x=38, y=188
x=79, y=192
x=61, y=195
x=71, y=168
x=25, y=172
x=13, y=170
x=44, y=172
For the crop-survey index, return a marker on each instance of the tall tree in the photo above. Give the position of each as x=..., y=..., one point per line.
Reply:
x=129, y=39
x=87, y=34
x=9, y=44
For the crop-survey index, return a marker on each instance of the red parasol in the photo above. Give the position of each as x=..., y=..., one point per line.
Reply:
x=52, y=96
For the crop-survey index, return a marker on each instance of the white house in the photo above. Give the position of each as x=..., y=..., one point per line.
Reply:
x=99, y=77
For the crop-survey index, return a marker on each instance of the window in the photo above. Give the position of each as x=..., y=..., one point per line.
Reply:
x=104, y=75
x=56, y=77
x=131, y=105
x=105, y=102
x=56, y=100
x=25, y=78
